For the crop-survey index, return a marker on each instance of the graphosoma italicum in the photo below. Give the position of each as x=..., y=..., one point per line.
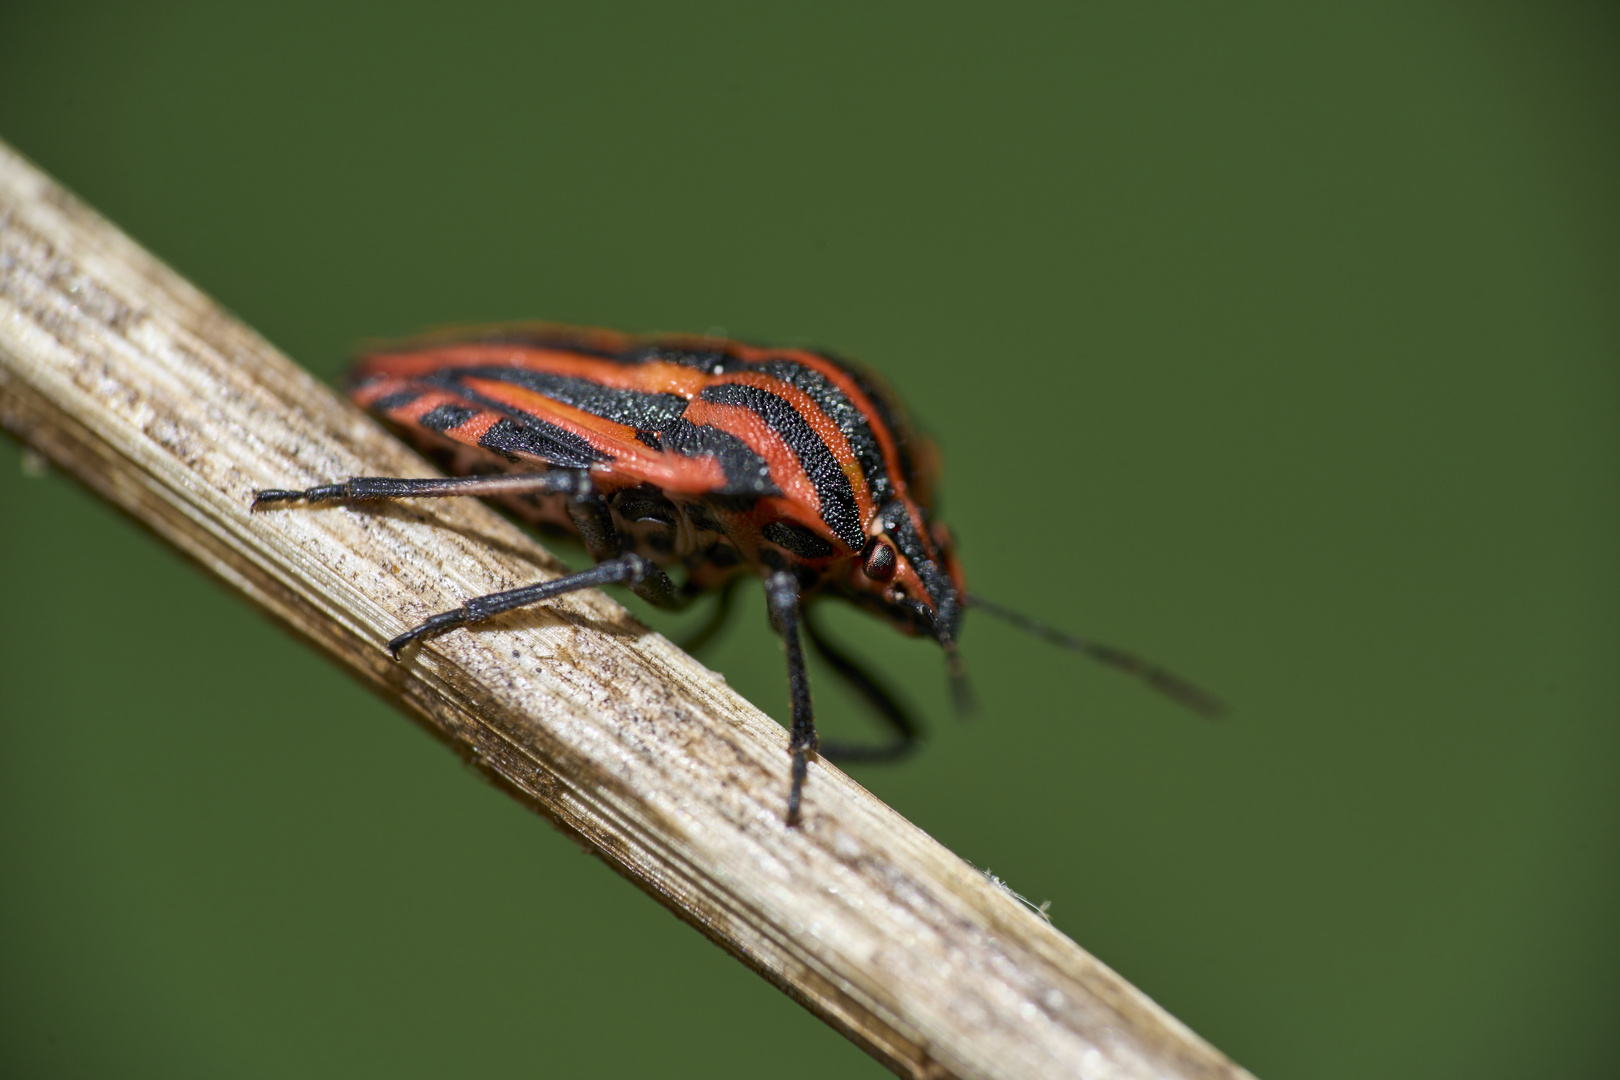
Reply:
x=712, y=457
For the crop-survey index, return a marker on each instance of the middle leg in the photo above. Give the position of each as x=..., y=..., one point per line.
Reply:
x=629, y=569
x=782, y=595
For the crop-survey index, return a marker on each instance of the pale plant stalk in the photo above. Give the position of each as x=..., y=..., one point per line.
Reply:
x=128, y=378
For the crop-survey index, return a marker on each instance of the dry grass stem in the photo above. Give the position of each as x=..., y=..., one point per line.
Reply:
x=127, y=377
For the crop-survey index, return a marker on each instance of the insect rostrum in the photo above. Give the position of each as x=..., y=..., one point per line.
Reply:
x=713, y=458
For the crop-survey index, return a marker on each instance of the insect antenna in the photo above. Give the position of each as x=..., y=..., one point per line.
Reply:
x=962, y=696
x=1173, y=686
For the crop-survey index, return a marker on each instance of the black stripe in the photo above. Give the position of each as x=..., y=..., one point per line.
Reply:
x=947, y=606
x=897, y=526
x=884, y=405
x=797, y=539
x=536, y=438
x=389, y=402
x=632, y=408
x=446, y=416
x=852, y=423
x=523, y=433
x=746, y=472
x=832, y=486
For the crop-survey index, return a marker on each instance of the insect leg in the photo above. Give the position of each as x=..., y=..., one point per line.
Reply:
x=626, y=569
x=365, y=488
x=717, y=619
x=863, y=682
x=656, y=588
x=590, y=513
x=782, y=595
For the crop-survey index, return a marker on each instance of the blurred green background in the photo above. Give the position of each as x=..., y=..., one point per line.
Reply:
x=1275, y=341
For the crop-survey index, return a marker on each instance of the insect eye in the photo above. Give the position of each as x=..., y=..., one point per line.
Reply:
x=879, y=560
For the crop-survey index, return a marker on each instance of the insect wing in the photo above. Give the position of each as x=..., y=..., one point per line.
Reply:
x=540, y=407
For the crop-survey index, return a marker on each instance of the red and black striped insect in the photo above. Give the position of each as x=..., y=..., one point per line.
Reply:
x=713, y=457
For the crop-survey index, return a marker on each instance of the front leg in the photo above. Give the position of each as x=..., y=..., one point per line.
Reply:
x=572, y=482
x=782, y=595
x=586, y=508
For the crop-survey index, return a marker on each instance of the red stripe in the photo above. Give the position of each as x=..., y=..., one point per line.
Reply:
x=633, y=462
x=823, y=426
x=786, y=472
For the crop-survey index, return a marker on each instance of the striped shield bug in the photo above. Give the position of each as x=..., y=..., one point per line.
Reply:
x=710, y=457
